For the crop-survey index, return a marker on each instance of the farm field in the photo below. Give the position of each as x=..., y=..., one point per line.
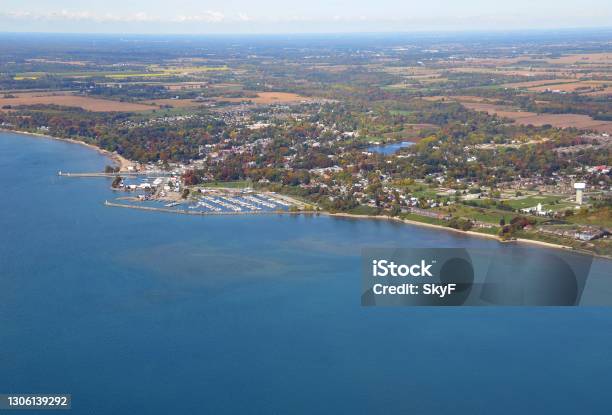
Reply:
x=540, y=83
x=271, y=98
x=156, y=71
x=460, y=98
x=592, y=87
x=67, y=99
x=174, y=103
x=528, y=118
x=581, y=86
x=150, y=72
x=511, y=71
x=263, y=98
x=531, y=118
x=583, y=59
x=607, y=90
x=178, y=86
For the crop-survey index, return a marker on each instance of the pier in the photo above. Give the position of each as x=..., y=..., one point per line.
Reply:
x=113, y=175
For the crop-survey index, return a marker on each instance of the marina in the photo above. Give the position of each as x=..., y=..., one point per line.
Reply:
x=205, y=201
x=209, y=210
x=164, y=192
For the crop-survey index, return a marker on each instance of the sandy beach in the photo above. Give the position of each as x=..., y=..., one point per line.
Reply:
x=449, y=229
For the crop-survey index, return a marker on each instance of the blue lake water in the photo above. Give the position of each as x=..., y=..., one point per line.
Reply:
x=138, y=312
x=387, y=149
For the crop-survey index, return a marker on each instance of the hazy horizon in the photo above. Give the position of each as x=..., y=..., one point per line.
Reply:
x=442, y=33
x=316, y=16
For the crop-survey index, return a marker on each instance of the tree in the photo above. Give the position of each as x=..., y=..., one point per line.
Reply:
x=395, y=209
x=191, y=178
x=117, y=182
x=460, y=223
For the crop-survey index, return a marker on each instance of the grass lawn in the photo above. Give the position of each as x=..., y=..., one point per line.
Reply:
x=481, y=214
x=419, y=190
x=531, y=201
x=554, y=203
x=238, y=184
x=487, y=231
x=427, y=193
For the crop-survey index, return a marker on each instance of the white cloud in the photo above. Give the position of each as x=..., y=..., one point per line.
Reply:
x=207, y=16
x=65, y=15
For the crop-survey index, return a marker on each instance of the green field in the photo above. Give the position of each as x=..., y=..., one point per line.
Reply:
x=154, y=71
x=548, y=202
x=136, y=75
x=239, y=184
x=419, y=190
x=480, y=214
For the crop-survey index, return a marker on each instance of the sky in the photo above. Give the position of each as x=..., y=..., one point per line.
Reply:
x=306, y=16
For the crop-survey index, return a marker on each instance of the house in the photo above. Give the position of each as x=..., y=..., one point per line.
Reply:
x=537, y=210
x=590, y=233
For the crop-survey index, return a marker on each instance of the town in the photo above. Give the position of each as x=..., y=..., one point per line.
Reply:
x=506, y=145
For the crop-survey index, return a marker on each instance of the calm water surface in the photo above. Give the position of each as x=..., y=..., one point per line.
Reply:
x=387, y=149
x=149, y=313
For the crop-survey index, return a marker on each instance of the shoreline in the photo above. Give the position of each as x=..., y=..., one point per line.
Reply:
x=468, y=233
x=118, y=159
x=122, y=162
x=417, y=223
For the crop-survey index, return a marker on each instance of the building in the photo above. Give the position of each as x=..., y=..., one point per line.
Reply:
x=579, y=189
x=537, y=210
x=589, y=233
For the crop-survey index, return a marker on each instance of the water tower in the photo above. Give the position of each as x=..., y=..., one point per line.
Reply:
x=579, y=188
